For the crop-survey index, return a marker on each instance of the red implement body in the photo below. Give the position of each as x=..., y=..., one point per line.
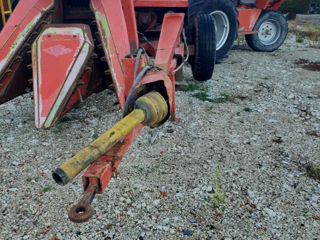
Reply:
x=249, y=13
x=66, y=50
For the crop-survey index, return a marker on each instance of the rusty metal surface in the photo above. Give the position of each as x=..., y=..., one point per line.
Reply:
x=83, y=211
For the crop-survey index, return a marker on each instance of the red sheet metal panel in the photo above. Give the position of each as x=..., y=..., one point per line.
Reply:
x=20, y=25
x=60, y=55
x=114, y=37
x=130, y=16
x=247, y=19
x=169, y=39
x=24, y=21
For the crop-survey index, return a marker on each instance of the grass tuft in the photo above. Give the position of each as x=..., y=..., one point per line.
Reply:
x=299, y=39
x=202, y=93
x=218, y=199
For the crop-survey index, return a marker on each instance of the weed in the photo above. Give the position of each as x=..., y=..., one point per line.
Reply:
x=299, y=39
x=247, y=109
x=218, y=199
x=240, y=40
x=210, y=108
x=58, y=127
x=196, y=87
x=139, y=168
x=224, y=97
x=46, y=189
x=203, y=94
x=266, y=78
x=313, y=171
x=33, y=179
x=64, y=119
x=95, y=134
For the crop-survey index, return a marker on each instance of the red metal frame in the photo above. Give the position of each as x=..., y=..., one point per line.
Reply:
x=105, y=167
x=56, y=54
x=15, y=40
x=248, y=15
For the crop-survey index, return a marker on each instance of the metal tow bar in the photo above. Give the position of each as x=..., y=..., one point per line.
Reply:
x=83, y=211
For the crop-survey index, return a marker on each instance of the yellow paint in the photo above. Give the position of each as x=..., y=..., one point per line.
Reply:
x=155, y=107
x=3, y=12
x=105, y=142
x=151, y=109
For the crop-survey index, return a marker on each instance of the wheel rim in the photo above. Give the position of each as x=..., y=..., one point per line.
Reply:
x=222, y=26
x=269, y=32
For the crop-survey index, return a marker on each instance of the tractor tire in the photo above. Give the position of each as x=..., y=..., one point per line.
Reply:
x=226, y=19
x=273, y=30
x=204, y=39
x=14, y=3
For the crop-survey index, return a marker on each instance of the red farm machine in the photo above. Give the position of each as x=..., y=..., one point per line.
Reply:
x=66, y=50
x=265, y=29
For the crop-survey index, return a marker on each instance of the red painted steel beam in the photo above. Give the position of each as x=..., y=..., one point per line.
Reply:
x=103, y=169
x=115, y=40
x=25, y=21
x=130, y=17
x=247, y=19
x=169, y=39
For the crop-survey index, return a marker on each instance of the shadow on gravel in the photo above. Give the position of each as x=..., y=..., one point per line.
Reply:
x=306, y=64
x=242, y=47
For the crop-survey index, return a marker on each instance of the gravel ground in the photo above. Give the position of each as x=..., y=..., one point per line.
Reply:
x=239, y=169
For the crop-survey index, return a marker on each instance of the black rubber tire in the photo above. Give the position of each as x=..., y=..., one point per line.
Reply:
x=226, y=6
x=255, y=42
x=204, y=58
x=14, y=3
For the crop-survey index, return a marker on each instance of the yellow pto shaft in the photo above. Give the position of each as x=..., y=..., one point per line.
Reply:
x=151, y=109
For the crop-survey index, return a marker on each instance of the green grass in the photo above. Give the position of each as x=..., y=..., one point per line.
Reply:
x=95, y=134
x=313, y=171
x=218, y=199
x=299, y=39
x=59, y=125
x=35, y=179
x=202, y=93
x=46, y=189
x=196, y=86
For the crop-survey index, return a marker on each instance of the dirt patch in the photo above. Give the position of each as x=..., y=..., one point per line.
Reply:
x=306, y=64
